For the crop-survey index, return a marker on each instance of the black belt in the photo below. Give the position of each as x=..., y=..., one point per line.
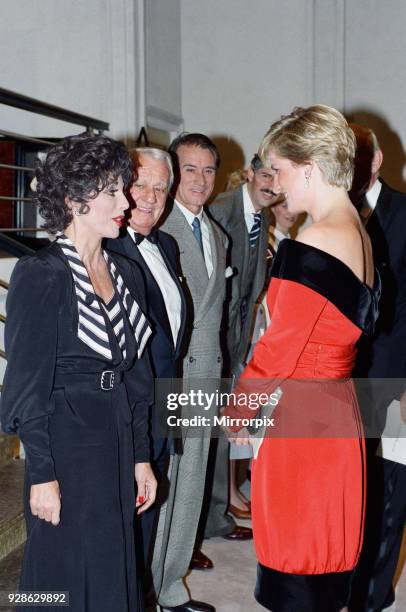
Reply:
x=104, y=381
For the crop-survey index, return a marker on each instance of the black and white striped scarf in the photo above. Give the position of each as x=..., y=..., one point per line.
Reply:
x=92, y=325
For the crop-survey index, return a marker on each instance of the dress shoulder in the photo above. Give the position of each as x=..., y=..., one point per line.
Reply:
x=331, y=278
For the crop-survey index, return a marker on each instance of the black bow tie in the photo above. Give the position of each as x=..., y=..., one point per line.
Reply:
x=152, y=237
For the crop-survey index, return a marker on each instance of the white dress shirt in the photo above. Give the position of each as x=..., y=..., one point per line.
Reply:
x=170, y=292
x=208, y=259
x=279, y=236
x=249, y=210
x=370, y=200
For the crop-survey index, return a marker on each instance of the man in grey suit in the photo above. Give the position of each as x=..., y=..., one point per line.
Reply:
x=202, y=250
x=242, y=215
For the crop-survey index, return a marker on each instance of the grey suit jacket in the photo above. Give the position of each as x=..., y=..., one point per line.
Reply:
x=203, y=358
x=228, y=212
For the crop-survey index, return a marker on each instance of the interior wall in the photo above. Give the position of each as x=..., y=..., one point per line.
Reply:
x=78, y=55
x=243, y=65
x=163, y=56
x=375, y=84
x=240, y=70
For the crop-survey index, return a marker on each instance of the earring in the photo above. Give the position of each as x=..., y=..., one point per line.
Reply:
x=77, y=212
x=307, y=182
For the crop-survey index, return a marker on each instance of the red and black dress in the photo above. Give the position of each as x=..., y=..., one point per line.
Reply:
x=308, y=481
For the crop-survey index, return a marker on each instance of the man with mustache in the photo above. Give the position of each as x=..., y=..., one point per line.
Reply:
x=243, y=215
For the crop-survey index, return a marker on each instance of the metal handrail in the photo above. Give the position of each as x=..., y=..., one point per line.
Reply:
x=21, y=229
x=15, y=198
x=11, y=98
x=4, y=284
x=2, y=318
x=24, y=138
x=12, y=167
x=14, y=247
x=3, y=354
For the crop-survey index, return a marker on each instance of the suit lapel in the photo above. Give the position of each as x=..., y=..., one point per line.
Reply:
x=132, y=252
x=377, y=225
x=178, y=284
x=383, y=208
x=192, y=262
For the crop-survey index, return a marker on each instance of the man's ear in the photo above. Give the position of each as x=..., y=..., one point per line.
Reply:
x=250, y=174
x=376, y=161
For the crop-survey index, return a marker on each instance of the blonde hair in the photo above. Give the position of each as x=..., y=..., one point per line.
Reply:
x=317, y=133
x=236, y=178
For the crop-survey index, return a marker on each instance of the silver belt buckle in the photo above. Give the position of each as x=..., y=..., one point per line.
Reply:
x=107, y=380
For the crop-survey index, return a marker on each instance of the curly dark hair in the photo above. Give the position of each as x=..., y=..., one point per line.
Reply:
x=78, y=168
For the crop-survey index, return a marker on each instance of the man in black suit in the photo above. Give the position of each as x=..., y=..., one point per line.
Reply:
x=382, y=356
x=155, y=252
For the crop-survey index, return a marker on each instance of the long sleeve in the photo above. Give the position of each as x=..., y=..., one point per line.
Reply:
x=31, y=345
x=295, y=311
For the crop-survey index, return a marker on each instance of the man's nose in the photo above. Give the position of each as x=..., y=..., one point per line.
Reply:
x=149, y=195
x=200, y=177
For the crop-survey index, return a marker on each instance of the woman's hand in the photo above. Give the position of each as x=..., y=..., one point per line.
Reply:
x=241, y=438
x=146, y=485
x=45, y=501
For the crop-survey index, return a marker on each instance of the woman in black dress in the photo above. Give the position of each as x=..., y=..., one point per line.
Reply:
x=78, y=384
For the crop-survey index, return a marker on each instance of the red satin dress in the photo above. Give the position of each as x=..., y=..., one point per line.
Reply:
x=308, y=481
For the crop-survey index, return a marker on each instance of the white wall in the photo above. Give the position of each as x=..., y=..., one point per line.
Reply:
x=76, y=54
x=115, y=60
x=375, y=84
x=244, y=64
x=163, y=62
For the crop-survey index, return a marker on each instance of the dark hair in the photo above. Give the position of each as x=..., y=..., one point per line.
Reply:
x=78, y=168
x=193, y=140
x=256, y=163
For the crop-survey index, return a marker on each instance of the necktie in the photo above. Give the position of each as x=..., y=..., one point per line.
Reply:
x=256, y=228
x=152, y=237
x=197, y=231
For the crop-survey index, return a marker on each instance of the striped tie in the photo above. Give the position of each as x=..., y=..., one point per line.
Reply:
x=91, y=323
x=255, y=230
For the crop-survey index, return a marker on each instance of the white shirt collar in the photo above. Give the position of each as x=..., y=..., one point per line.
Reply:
x=188, y=214
x=373, y=194
x=132, y=233
x=248, y=205
x=279, y=235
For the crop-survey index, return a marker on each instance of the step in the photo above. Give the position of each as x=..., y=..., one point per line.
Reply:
x=9, y=448
x=10, y=568
x=12, y=524
x=10, y=573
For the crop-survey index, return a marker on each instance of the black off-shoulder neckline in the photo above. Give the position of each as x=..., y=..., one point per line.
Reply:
x=332, y=278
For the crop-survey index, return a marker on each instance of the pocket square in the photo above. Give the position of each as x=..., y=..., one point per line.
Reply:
x=229, y=272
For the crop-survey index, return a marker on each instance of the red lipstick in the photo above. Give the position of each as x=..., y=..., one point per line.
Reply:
x=119, y=220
